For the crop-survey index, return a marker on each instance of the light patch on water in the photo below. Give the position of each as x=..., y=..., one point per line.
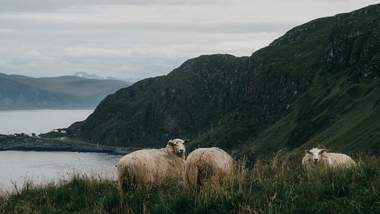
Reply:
x=39, y=121
x=17, y=167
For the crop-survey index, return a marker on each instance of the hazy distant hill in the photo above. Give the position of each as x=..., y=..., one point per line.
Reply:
x=317, y=84
x=22, y=92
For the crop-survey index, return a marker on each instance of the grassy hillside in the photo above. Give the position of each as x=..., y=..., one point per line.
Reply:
x=272, y=187
x=317, y=84
x=21, y=92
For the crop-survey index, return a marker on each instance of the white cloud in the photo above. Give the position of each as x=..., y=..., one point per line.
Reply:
x=95, y=52
x=33, y=53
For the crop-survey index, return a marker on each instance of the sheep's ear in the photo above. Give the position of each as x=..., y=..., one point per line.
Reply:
x=186, y=141
x=323, y=151
x=171, y=142
x=307, y=152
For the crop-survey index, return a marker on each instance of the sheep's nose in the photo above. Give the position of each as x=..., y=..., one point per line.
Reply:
x=181, y=150
x=315, y=160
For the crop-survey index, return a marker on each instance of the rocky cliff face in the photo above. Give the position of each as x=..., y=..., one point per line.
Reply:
x=318, y=84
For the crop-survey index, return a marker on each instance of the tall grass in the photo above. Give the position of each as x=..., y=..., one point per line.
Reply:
x=271, y=187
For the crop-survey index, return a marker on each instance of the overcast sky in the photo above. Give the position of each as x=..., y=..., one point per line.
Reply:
x=135, y=39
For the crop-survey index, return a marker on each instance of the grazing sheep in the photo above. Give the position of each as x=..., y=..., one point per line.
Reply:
x=320, y=157
x=207, y=165
x=153, y=167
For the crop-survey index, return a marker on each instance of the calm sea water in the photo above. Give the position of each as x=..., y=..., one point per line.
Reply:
x=16, y=167
x=39, y=121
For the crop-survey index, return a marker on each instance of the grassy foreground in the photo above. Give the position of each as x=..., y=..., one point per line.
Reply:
x=271, y=187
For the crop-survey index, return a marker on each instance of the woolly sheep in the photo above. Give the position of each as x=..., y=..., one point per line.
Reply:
x=207, y=165
x=320, y=157
x=153, y=167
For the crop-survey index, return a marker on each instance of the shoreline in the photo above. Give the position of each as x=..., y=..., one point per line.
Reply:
x=26, y=143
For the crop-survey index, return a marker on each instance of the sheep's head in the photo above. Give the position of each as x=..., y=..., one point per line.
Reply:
x=177, y=146
x=315, y=154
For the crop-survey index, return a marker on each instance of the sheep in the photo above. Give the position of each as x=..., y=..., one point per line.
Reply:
x=320, y=157
x=152, y=167
x=207, y=166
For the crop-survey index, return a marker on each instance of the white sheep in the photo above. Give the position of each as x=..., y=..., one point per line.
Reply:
x=153, y=167
x=320, y=157
x=207, y=166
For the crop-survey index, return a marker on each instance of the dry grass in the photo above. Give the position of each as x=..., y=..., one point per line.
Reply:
x=271, y=187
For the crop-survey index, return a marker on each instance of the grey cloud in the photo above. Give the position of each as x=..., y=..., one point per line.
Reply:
x=142, y=38
x=49, y=5
x=8, y=23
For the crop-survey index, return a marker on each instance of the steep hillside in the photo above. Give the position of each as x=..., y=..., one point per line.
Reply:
x=21, y=92
x=318, y=84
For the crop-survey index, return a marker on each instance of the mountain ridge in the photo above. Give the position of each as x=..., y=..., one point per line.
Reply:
x=289, y=95
x=23, y=92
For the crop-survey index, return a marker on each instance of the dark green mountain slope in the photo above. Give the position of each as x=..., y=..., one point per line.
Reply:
x=318, y=84
x=21, y=92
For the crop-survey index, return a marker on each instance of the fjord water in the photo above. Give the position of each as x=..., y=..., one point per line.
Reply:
x=39, y=121
x=17, y=167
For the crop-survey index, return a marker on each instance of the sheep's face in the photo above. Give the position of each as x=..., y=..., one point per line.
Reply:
x=178, y=146
x=315, y=154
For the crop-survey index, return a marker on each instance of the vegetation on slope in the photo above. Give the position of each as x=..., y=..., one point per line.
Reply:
x=271, y=187
x=318, y=84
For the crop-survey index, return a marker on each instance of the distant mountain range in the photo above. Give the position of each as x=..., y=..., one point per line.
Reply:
x=22, y=92
x=319, y=84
